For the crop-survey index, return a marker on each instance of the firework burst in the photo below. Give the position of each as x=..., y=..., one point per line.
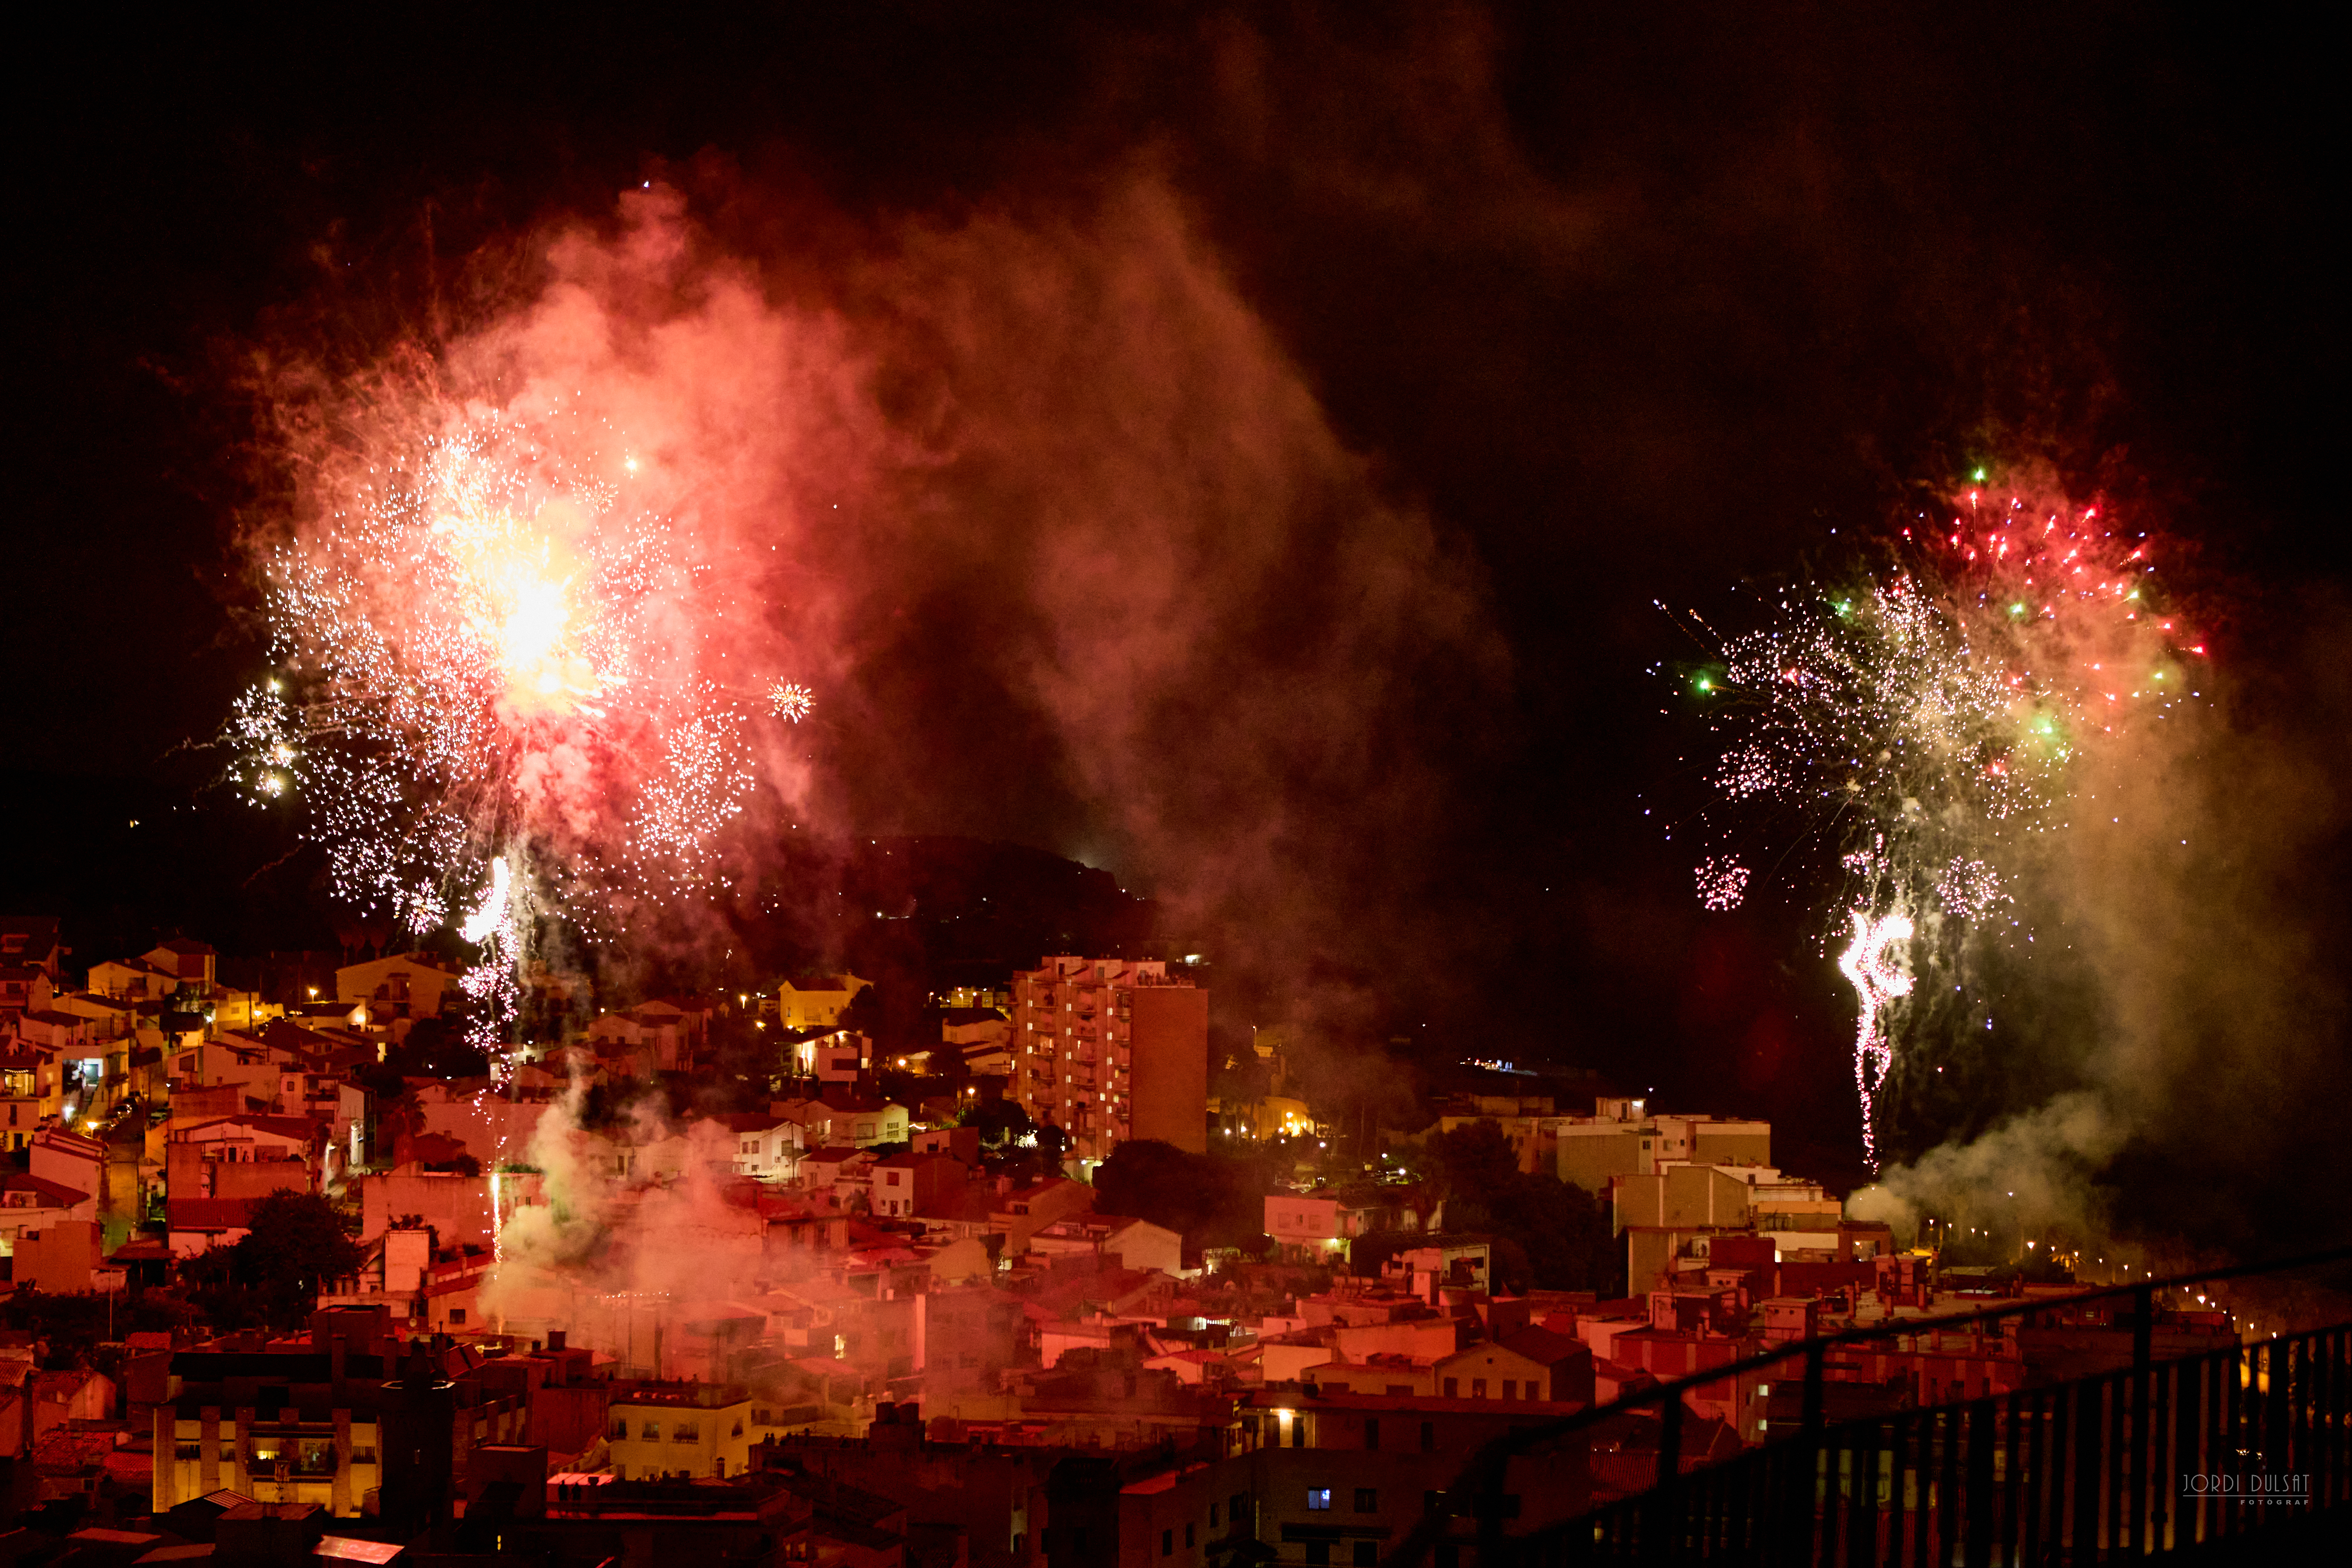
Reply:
x=1722, y=882
x=1923, y=724
x=790, y=700
x=495, y=683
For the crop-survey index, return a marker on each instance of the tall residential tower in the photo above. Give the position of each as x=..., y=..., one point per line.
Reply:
x=1109, y=1050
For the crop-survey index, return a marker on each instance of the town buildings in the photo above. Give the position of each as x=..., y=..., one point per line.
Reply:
x=842, y=1321
x=394, y=990
x=816, y=1003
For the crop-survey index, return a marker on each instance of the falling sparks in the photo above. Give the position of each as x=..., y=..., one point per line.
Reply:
x=1722, y=882
x=701, y=789
x=1923, y=723
x=1969, y=889
x=495, y=925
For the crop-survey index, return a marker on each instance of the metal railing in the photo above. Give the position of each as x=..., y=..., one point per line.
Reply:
x=2143, y=1458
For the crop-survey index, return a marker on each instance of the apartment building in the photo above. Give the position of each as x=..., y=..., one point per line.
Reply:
x=1111, y=1050
x=693, y=1430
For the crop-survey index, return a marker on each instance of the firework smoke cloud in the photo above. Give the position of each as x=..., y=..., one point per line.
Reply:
x=614, y=586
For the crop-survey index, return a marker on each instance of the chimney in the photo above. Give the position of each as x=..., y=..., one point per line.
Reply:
x=555, y=1339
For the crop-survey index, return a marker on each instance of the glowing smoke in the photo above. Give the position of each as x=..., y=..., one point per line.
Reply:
x=693, y=484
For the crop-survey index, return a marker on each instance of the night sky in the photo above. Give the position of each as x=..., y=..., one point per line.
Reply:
x=1625, y=308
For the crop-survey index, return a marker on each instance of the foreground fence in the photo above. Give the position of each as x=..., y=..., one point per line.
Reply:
x=2135, y=1461
x=2149, y=1458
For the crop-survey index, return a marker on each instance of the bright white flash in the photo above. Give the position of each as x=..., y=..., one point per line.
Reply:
x=489, y=917
x=1873, y=962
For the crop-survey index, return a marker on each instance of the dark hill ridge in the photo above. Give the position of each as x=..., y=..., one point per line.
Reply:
x=920, y=915
x=926, y=911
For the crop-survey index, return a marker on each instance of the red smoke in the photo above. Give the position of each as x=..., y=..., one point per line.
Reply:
x=1052, y=525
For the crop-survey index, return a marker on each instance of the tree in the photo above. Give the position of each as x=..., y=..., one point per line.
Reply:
x=381, y=1079
x=1148, y=1179
x=1553, y=1234
x=1238, y=1077
x=273, y=1275
x=297, y=1244
x=1000, y=1121
x=437, y=1048
x=748, y=1067
x=1474, y=1162
x=1211, y=1202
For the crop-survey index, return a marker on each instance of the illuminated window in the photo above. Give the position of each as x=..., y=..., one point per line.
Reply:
x=1319, y=1498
